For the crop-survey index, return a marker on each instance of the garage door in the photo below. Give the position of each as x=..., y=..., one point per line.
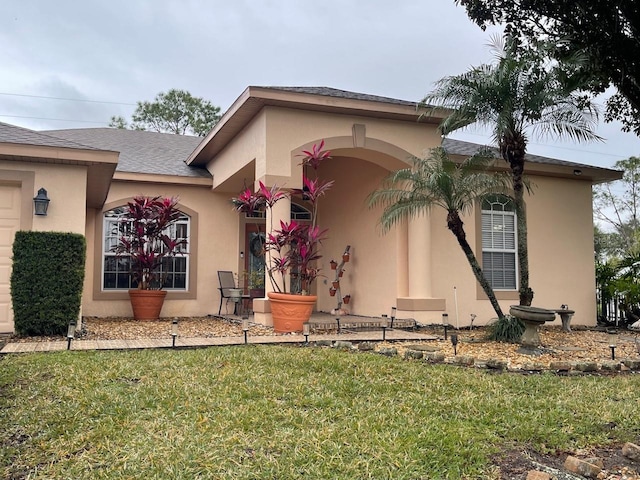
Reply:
x=9, y=225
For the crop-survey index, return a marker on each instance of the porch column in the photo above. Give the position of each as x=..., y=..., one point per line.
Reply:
x=281, y=211
x=419, y=250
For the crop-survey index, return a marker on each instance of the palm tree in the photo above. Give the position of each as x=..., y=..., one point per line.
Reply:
x=516, y=96
x=439, y=181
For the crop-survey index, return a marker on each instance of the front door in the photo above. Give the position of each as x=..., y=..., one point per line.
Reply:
x=255, y=259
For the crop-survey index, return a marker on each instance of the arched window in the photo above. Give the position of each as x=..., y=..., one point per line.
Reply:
x=499, y=253
x=116, y=269
x=298, y=212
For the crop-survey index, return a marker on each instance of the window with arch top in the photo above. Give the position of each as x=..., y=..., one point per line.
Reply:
x=116, y=269
x=499, y=244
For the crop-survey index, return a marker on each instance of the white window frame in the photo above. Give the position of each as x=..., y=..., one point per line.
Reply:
x=499, y=216
x=111, y=232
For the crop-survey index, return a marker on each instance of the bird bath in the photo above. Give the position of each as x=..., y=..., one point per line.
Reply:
x=565, y=316
x=532, y=317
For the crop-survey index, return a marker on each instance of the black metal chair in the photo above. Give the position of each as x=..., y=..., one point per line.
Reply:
x=227, y=282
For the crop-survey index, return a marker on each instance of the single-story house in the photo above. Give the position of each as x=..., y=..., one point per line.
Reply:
x=89, y=174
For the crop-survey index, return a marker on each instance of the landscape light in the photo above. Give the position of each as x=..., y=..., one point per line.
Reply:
x=454, y=342
x=245, y=328
x=613, y=343
x=384, y=323
x=174, y=332
x=445, y=323
x=393, y=315
x=71, y=333
x=305, y=331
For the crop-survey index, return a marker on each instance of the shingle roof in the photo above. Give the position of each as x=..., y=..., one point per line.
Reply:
x=141, y=151
x=459, y=147
x=334, y=92
x=24, y=136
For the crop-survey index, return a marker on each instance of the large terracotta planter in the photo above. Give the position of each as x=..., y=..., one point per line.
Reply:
x=289, y=311
x=147, y=304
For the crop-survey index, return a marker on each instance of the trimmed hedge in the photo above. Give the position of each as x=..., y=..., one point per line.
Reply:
x=46, y=281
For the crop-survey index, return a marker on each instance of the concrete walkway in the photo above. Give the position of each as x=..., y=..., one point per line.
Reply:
x=79, y=344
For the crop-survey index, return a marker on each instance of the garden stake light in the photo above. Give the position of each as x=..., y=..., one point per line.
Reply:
x=338, y=322
x=473, y=317
x=71, y=333
x=613, y=343
x=245, y=329
x=393, y=315
x=174, y=332
x=384, y=324
x=305, y=332
x=445, y=323
x=454, y=342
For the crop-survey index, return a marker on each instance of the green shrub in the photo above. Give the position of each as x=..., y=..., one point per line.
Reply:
x=506, y=329
x=46, y=281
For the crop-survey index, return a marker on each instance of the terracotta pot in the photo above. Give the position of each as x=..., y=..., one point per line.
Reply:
x=334, y=264
x=340, y=273
x=346, y=299
x=332, y=292
x=335, y=284
x=289, y=311
x=147, y=304
x=345, y=257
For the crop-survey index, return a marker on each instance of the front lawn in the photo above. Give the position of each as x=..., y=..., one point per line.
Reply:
x=286, y=412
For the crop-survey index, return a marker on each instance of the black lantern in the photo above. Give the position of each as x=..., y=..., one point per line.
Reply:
x=41, y=202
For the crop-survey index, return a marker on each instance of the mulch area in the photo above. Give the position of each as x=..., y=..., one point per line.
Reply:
x=582, y=344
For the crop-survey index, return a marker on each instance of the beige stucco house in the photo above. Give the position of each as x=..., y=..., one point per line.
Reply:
x=418, y=267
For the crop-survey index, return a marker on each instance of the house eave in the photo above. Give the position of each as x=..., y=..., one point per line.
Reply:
x=101, y=164
x=254, y=99
x=163, y=179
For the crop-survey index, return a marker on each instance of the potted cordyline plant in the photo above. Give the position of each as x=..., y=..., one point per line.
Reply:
x=146, y=241
x=292, y=250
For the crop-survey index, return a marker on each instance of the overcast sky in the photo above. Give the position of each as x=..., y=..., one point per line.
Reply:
x=113, y=53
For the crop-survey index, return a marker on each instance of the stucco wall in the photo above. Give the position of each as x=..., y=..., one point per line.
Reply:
x=66, y=186
x=217, y=239
x=560, y=255
x=370, y=276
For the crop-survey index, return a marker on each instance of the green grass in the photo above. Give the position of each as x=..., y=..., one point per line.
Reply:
x=283, y=412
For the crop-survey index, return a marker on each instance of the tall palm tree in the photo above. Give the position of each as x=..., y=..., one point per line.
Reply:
x=439, y=181
x=516, y=96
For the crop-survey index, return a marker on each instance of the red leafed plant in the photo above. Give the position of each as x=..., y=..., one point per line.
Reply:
x=293, y=249
x=146, y=239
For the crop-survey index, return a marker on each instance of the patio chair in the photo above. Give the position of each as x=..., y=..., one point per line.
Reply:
x=227, y=282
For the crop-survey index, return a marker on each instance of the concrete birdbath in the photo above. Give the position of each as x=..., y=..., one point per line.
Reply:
x=532, y=317
x=565, y=316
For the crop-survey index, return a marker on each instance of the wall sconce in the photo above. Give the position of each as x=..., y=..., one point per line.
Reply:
x=445, y=323
x=245, y=329
x=174, y=332
x=577, y=172
x=41, y=202
x=71, y=333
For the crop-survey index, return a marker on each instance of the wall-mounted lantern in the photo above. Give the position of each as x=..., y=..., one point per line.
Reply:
x=41, y=202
